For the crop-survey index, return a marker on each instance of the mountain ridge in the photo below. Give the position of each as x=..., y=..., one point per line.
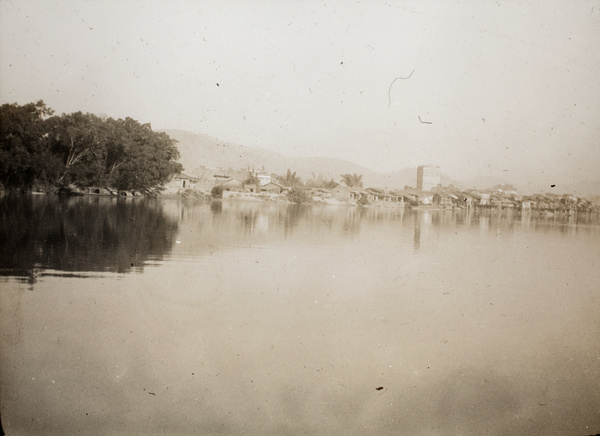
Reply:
x=198, y=149
x=201, y=150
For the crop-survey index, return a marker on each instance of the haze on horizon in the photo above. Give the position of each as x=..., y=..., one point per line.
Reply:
x=502, y=89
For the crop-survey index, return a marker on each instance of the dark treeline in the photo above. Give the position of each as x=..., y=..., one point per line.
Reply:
x=40, y=150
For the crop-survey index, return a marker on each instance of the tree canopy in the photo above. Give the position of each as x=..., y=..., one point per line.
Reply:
x=40, y=149
x=291, y=179
x=352, y=180
x=318, y=181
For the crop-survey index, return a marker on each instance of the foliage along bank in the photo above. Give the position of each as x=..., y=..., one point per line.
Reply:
x=40, y=150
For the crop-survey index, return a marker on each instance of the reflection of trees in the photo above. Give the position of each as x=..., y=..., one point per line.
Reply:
x=81, y=233
x=417, y=236
x=352, y=220
x=294, y=214
x=248, y=218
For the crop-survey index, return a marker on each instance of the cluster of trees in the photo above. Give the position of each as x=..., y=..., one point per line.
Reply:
x=352, y=180
x=41, y=150
x=318, y=181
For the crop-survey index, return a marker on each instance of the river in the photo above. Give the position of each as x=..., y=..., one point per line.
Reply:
x=151, y=316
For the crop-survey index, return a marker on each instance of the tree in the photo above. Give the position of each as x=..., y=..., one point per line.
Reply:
x=37, y=148
x=79, y=140
x=352, y=180
x=252, y=179
x=23, y=144
x=299, y=194
x=319, y=181
x=217, y=191
x=145, y=159
x=291, y=179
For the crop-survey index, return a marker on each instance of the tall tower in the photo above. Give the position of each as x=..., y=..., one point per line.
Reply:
x=428, y=176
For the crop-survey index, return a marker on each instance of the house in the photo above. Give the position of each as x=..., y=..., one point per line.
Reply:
x=409, y=196
x=320, y=192
x=263, y=178
x=444, y=199
x=271, y=188
x=426, y=199
x=374, y=194
x=182, y=180
x=233, y=185
x=485, y=200
x=341, y=193
x=464, y=199
x=398, y=197
x=219, y=179
x=358, y=193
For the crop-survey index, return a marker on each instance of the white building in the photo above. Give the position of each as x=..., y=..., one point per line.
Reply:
x=263, y=178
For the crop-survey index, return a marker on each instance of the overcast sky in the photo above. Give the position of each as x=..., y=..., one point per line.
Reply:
x=500, y=88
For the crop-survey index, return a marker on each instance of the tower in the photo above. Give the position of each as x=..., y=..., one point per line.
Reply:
x=428, y=176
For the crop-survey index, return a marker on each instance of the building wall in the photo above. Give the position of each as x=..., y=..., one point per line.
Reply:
x=428, y=177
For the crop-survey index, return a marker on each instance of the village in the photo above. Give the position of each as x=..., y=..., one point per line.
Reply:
x=259, y=185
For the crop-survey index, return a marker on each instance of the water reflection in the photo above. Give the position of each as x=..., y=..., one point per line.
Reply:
x=93, y=234
x=266, y=318
x=80, y=234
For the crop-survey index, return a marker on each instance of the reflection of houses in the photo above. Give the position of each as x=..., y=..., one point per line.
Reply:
x=528, y=204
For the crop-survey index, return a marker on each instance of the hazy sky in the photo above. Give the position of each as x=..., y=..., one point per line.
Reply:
x=502, y=88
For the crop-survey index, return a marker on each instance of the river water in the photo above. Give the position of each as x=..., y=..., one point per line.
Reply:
x=145, y=316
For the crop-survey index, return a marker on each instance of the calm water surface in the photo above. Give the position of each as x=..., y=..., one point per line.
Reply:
x=166, y=317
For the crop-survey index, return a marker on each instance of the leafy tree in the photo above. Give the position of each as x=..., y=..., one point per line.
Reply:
x=320, y=182
x=217, y=191
x=148, y=158
x=299, y=194
x=291, y=179
x=78, y=139
x=37, y=148
x=23, y=146
x=252, y=179
x=352, y=180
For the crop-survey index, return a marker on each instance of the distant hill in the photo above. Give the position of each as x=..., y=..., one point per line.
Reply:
x=202, y=150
